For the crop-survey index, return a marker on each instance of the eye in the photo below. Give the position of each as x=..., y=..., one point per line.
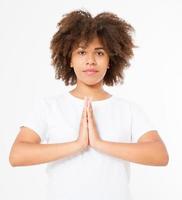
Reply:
x=81, y=52
x=100, y=53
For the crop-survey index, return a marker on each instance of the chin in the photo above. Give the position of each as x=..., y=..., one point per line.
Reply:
x=91, y=82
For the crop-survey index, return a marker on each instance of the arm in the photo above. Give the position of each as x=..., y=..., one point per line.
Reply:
x=27, y=149
x=149, y=150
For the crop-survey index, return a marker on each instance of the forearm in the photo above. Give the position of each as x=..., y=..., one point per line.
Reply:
x=147, y=153
x=23, y=154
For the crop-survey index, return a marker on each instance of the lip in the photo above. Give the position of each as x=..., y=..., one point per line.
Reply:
x=90, y=72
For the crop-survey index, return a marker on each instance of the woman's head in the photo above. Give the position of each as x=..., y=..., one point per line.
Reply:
x=78, y=29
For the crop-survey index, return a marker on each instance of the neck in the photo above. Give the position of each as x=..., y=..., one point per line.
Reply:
x=95, y=91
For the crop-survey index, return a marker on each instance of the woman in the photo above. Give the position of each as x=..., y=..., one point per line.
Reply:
x=91, y=136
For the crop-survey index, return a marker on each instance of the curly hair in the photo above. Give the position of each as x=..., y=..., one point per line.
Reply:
x=79, y=26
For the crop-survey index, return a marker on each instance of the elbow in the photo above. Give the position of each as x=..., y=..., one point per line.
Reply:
x=163, y=156
x=13, y=160
x=16, y=156
x=164, y=159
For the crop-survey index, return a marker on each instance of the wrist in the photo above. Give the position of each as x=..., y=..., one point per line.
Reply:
x=81, y=146
x=97, y=143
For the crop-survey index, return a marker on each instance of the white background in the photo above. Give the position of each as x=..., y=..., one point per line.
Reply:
x=153, y=81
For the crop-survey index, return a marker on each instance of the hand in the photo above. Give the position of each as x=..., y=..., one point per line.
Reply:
x=92, y=128
x=83, y=138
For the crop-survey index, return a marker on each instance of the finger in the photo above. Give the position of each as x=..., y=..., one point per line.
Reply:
x=85, y=110
x=85, y=101
x=85, y=104
x=84, y=113
x=90, y=109
x=90, y=112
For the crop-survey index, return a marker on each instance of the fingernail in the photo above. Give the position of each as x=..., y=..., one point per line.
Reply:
x=86, y=100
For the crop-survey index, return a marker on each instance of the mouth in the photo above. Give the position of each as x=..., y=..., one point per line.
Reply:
x=90, y=71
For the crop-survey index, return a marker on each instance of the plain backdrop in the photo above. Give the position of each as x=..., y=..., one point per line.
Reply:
x=153, y=81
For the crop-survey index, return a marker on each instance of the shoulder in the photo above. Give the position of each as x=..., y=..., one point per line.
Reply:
x=48, y=102
x=123, y=101
x=127, y=103
x=52, y=98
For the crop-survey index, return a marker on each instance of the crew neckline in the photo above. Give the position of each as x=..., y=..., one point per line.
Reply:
x=77, y=99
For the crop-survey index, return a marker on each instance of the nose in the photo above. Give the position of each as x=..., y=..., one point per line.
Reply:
x=90, y=59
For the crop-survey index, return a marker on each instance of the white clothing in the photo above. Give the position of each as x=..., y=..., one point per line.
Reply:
x=91, y=174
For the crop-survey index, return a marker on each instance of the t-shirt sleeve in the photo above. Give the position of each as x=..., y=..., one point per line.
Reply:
x=140, y=122
x=35, y=118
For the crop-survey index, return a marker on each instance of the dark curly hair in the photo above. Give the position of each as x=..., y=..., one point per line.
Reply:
x=78, y=26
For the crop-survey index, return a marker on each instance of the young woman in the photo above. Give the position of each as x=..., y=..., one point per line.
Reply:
x=91, y=136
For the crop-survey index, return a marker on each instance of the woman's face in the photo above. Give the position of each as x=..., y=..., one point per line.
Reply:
x=90, y=63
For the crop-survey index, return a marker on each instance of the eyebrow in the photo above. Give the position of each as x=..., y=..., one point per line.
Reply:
x=97, y=48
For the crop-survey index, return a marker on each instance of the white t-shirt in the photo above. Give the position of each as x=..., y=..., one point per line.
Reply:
x=90, y=174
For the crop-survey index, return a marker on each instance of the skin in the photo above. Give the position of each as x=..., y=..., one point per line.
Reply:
x=149, y=149
x=92, y=56
x=28, y=150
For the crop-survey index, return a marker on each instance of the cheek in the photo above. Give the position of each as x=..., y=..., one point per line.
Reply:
x=78, y=64
x=103, y=65
x=103, y=62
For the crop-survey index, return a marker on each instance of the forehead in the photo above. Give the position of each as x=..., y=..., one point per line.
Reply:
x=95, y=42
